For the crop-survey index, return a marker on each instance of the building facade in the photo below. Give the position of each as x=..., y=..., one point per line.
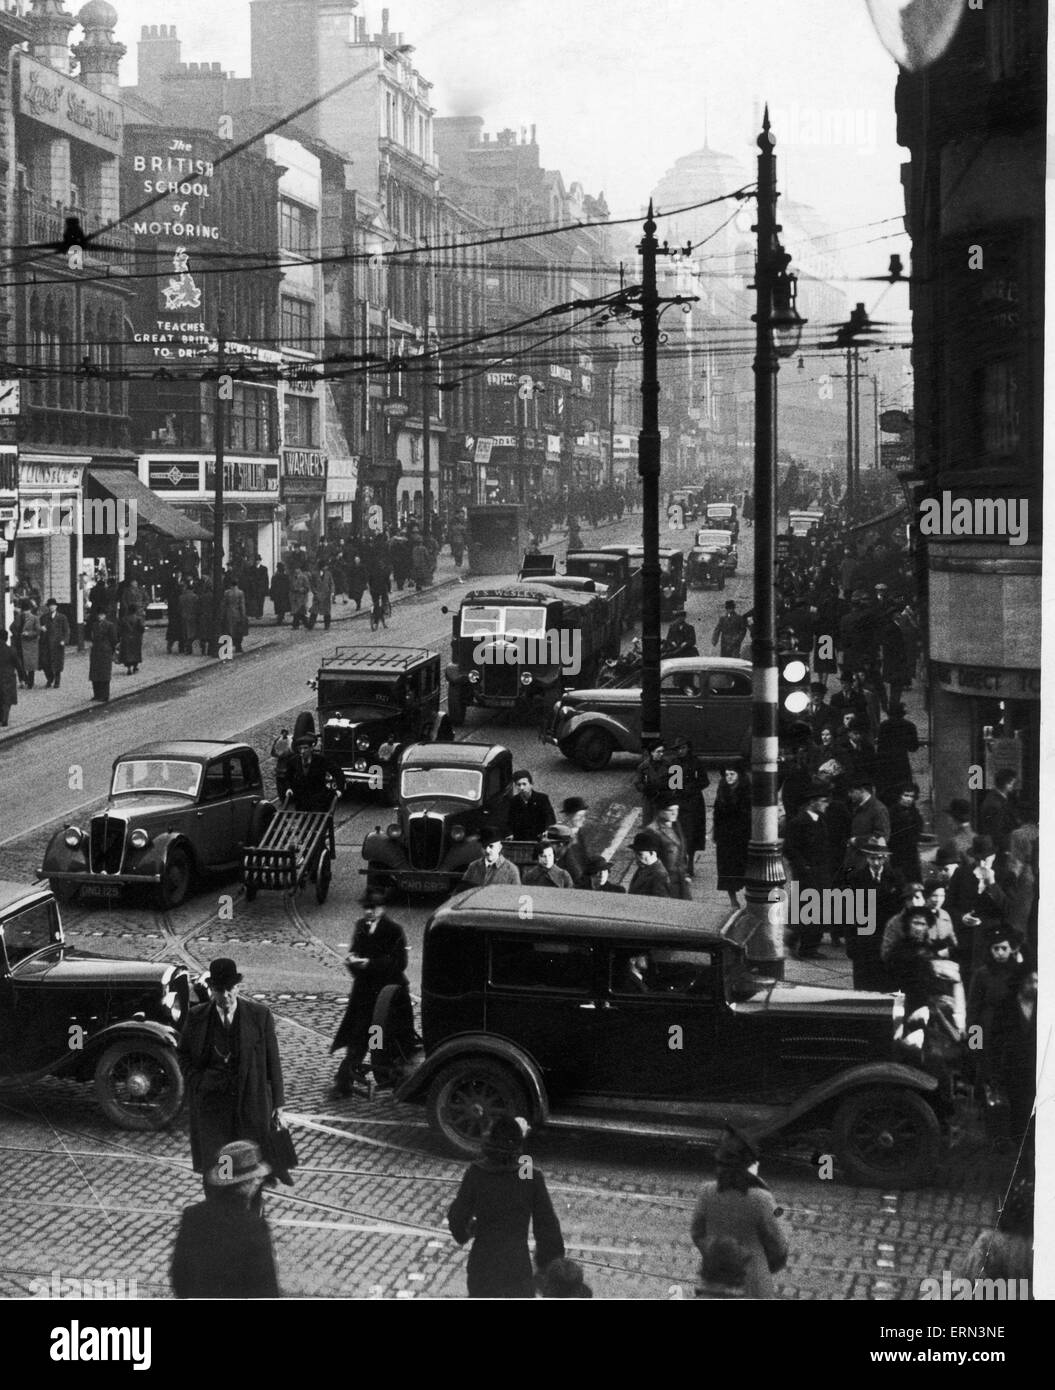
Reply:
x=974, y=123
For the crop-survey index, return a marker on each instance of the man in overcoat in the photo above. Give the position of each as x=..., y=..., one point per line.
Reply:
x=54, y=637
x=377, y=957
x=230, y=1056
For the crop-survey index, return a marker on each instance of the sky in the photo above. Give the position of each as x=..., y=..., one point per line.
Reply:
x=618, y=90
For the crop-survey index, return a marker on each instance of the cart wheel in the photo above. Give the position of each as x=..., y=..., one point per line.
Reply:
x=323, y=873
x=251, y=889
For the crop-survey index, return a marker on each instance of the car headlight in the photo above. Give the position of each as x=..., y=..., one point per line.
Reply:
x=565, y=711
x=394, y=832
x=139, y=838
x=72, y=837
x=362, y=744
x=474, y=677
x=526, y=678
x=170, y=1002
x=457, y=833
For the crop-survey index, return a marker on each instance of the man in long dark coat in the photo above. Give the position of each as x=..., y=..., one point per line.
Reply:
x=234, y=1074
x=54, y=636
x=530, y=813
x=807, y=851
x=377, y=957
x=103, y=636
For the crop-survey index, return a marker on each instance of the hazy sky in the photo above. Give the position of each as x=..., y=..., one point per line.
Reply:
x=619, y=90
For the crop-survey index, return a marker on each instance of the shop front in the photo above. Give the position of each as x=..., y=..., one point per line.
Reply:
x=377, y=494
x=984, y=672
x=8, y=520
x=49, y=540
x=303, y=501
x=250, y=501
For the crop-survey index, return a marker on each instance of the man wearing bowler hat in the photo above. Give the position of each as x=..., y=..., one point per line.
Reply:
x=377, y=957
x=883, y=886
x=223, y=1250
x=234, y=1076
x=492, y=866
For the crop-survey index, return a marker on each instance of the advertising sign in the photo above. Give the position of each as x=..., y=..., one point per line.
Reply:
x=58, y=101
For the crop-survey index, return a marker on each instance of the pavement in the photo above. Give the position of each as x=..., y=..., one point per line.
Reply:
x=39, y=706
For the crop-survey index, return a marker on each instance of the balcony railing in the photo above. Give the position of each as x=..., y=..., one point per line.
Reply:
x=40, y=223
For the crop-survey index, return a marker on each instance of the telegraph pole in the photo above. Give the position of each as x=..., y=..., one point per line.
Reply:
x=648, y=455
x=765, y=904
x=849, y=432
x=219, y=434
x=426, y=414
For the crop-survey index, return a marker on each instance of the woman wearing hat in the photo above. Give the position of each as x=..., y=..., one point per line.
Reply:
x=501, y=1196
x=223, y=1248
x=736, y=1225
x=991, y=988
x=732, y=831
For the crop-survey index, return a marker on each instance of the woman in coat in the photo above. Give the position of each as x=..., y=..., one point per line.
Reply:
x=131, y=629
x=206, y=616
x=190, y=613
x=29, y=642
x=355, y=578
x=732, y=831
x=102, y=635
x=736, y=1226
x=326, y=593
x=498, y=1200
x=233, y=620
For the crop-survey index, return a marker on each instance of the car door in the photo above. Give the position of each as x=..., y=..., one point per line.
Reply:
x=243, y=775
x=659, y=1025
x=541, y=996
x=681, y=706
x=214, y=816
x=724, y=713
x=33, y=1019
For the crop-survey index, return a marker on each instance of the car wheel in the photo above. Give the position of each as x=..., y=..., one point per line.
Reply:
x=394, y=1017
x=593, y=750
x=175, y=879
x=63, y=890
x=139, y=1085
x=456, y=706
x=886, y=1137
x=467, y=1097
x=323, y=874
x=305, y=724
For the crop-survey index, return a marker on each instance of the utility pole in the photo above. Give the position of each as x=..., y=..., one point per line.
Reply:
x=857, y=421
x=765, y=912
x=849, y=432
x=611, y=425
x=426, y=415
x=648, y=457
x=219, y=436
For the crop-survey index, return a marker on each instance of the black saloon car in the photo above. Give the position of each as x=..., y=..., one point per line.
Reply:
x=621, y=1014
x=87, y=1018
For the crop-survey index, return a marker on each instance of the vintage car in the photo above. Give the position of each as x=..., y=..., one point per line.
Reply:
x=176, y=811
x=722, y=515
x=446, y=792
x=616, y=571
x=520, y=646
x=372, y=703
x=704, y=699
x=714, y=538
x=88, y=1018
x=672, y=573
x=705, y=566
x=543, y=1017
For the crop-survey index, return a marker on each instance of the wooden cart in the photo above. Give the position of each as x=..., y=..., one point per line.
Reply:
x=294, y=849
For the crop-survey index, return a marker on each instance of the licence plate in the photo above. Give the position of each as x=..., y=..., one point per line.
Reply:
x=415, y=883
x=101, y=890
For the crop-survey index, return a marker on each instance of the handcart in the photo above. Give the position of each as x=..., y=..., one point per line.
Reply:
x=296, y=847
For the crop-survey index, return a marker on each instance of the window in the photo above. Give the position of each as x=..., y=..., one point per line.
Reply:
x=214, y=787
x=300, y=422
x=722, y=684
x=665, y=972
x=296, y=227
x=565, y=967
x=250, y=420
x=30, y=931
x=237, y=772
x=298, y=321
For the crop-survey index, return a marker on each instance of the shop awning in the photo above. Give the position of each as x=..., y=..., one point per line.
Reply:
x=123, y=485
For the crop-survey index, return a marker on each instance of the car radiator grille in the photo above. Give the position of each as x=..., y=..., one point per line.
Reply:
x=425, y=837
x=107, y=844
x=500, y=682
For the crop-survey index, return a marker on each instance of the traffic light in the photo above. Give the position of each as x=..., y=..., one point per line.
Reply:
x=794, y=683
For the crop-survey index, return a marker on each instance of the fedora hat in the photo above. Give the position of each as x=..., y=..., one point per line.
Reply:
x=870, y=844
x=223, y=973
x=237, y=1163
x=735, y=1150
x=646, y=839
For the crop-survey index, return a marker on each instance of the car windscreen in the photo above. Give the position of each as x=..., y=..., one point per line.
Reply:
x=30, y=931
x=595, y=569
x=461, y=783
x=341, y=692
x=492, y=620
x=173, y=776
x=712, y=538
